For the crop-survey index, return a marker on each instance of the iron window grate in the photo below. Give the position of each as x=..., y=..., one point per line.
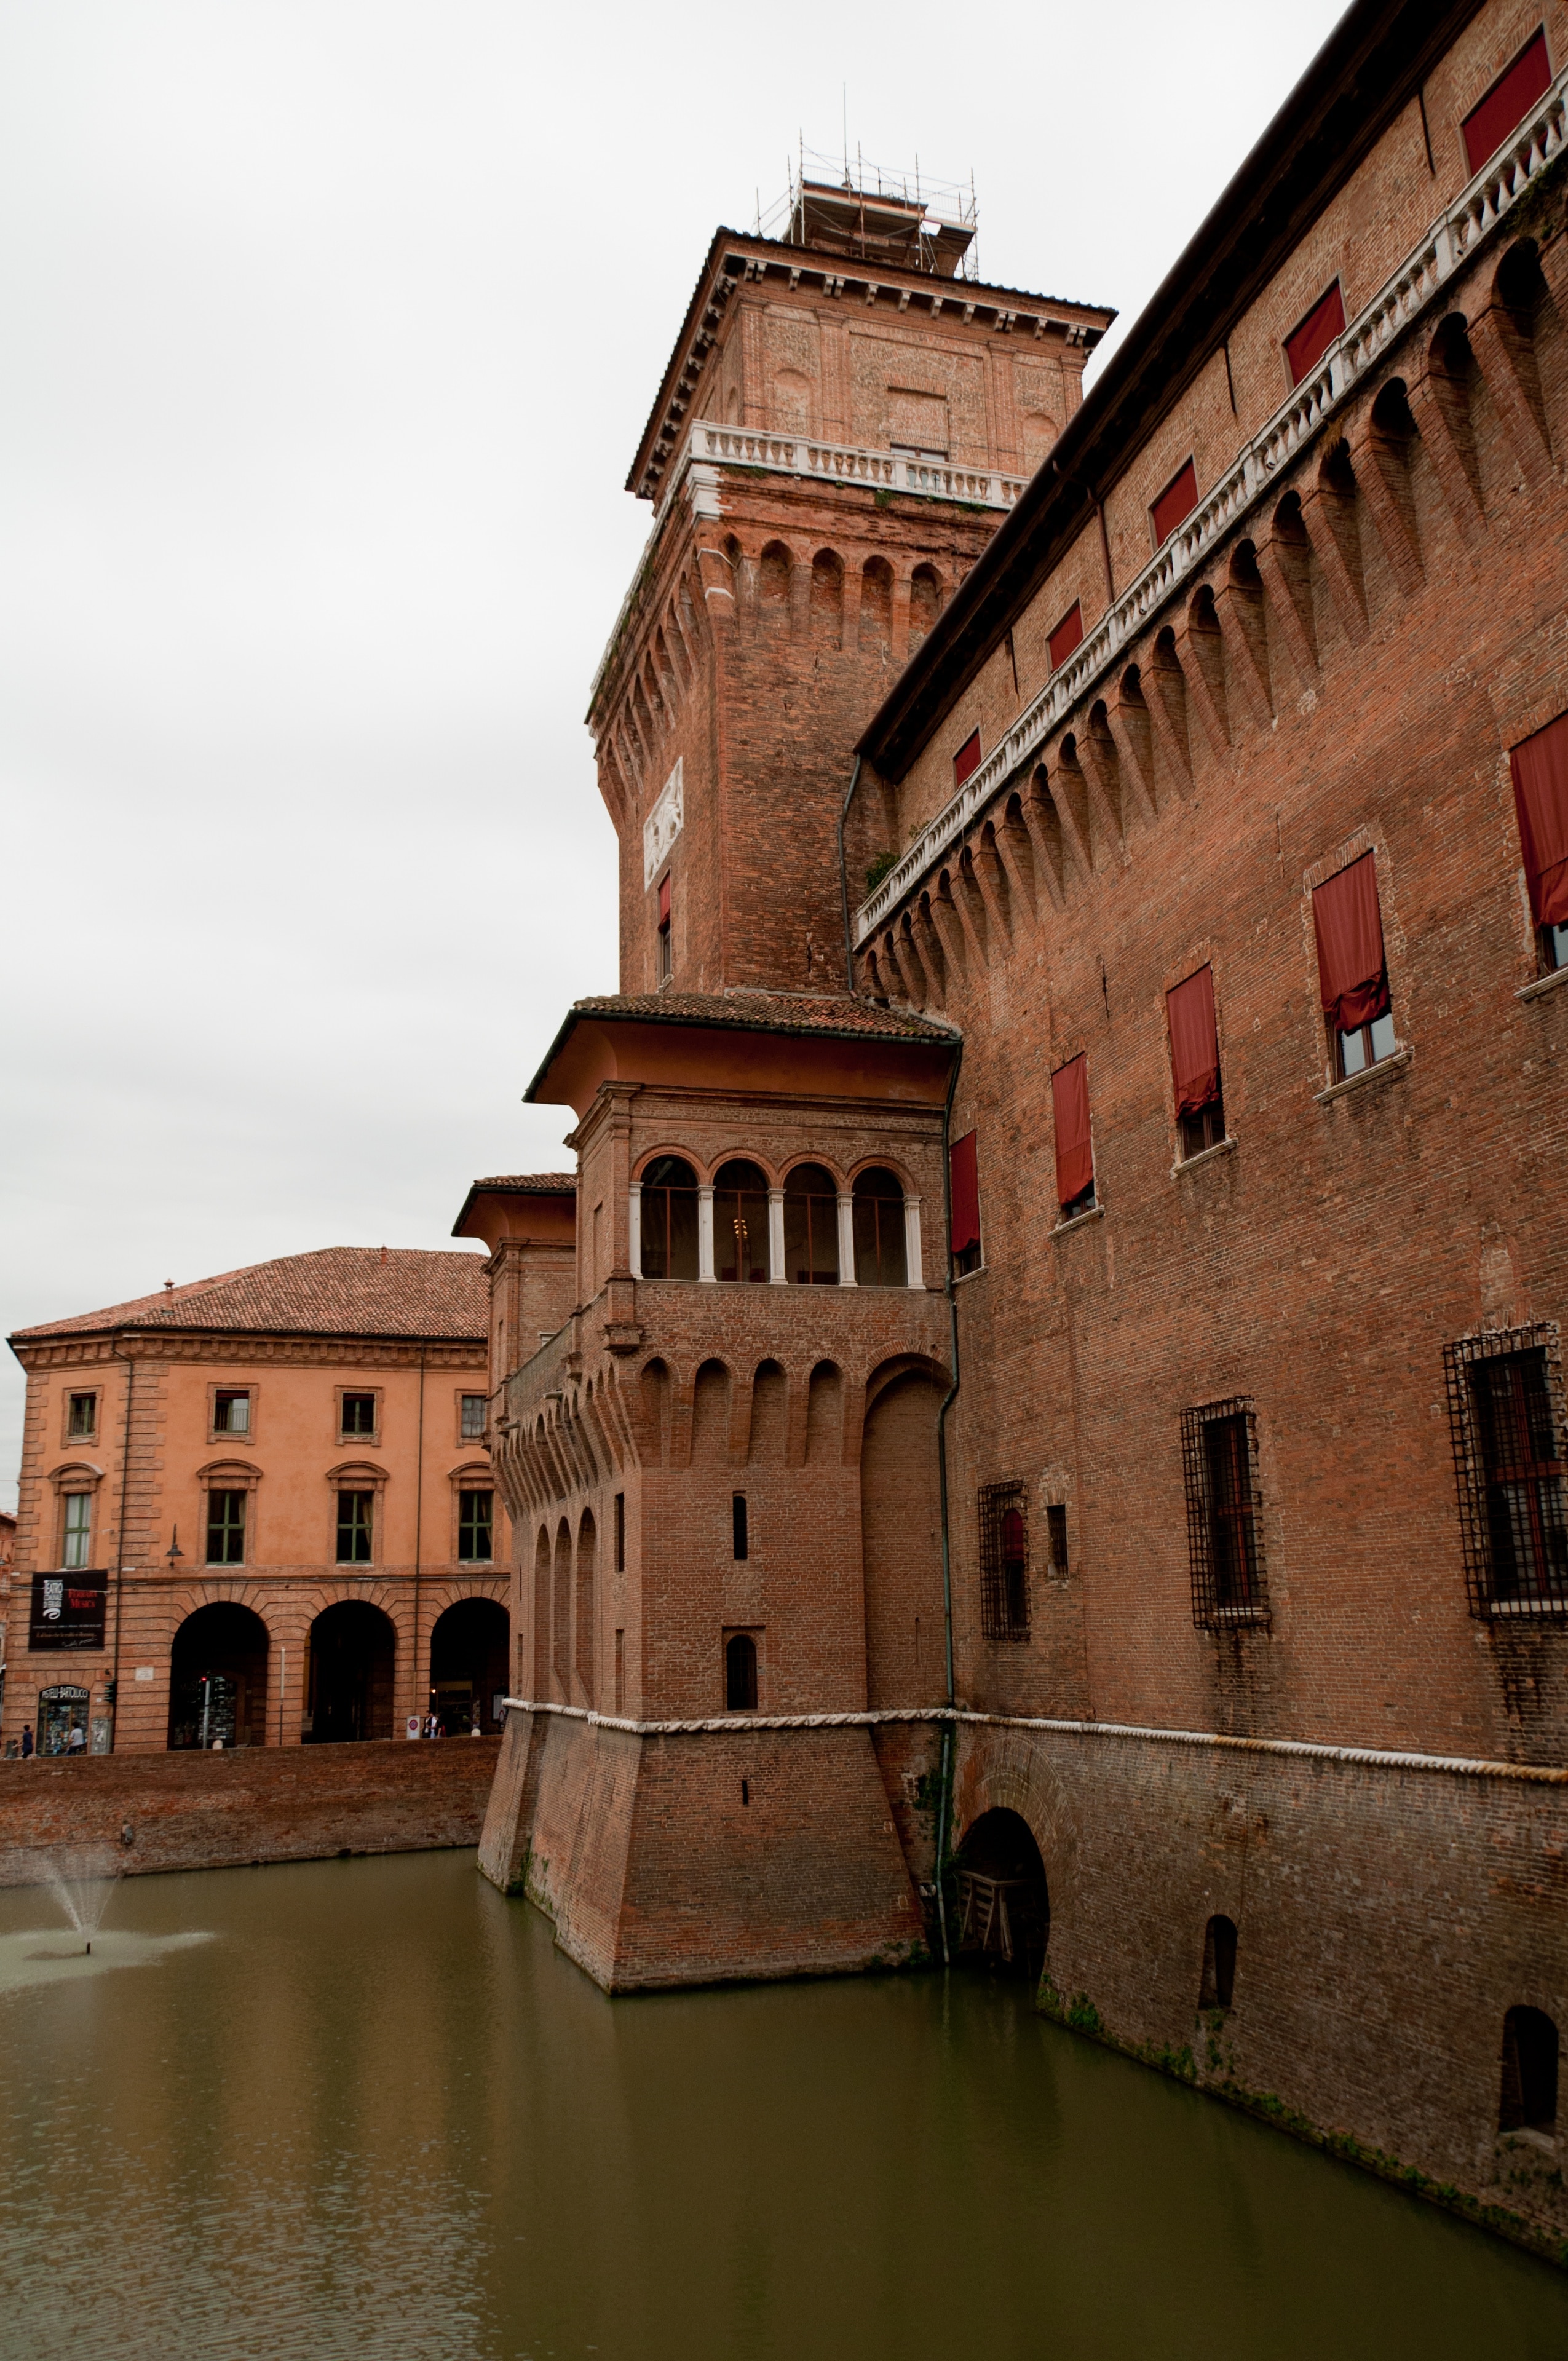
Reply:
x=1224, y=1514
x=1509, y=1433
x=1003, y=1562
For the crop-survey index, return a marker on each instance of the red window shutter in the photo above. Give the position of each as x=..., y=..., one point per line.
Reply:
x=965, y=761
x=964, y=1173
x=1540, y=790
x=1075, y=1151
x=1352, y=981
x=664, y=900
x=1175, y=504
x=1305, y=346
x=1066, y=635
x=1510, y=99
x=1194, y=1042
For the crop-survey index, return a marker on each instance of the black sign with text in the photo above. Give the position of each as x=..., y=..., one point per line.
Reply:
x=68, y=1611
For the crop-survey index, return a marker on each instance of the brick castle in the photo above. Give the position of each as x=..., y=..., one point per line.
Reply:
x=1058, y=1447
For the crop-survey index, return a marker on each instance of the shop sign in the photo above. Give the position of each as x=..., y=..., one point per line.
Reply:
x=68, y=1611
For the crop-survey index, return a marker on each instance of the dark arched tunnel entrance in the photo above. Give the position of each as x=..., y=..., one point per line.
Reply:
x=1001, y=1908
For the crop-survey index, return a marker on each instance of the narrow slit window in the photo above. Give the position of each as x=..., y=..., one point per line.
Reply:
x=1217, y=1988
x=1074, y=1141
x=739, y=1535
x=1056, y=1536
x=740, y=1673
x=1508, y=101
x=1352, y=970
x=1540, y=768
x=666, y=912
x=620, y=1532
x=1195, y=1063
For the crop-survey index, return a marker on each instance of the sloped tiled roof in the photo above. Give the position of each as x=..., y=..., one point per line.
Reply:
x=770, y=1012
x=416, y=1292
x=530, y=1184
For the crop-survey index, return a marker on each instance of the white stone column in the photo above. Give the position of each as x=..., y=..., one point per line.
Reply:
x=847, y=1242
x=634, y=1231
x=915, y=1272
x=776, y=1271
x=705, y=1234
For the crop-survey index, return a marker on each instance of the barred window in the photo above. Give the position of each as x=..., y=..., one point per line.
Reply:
x=1224, y=1540
x=1506, y=1417
x=1003, y=1562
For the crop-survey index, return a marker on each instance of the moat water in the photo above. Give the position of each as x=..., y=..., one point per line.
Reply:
x=364, y=2108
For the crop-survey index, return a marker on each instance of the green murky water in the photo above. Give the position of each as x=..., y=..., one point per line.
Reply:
x=376, y=2113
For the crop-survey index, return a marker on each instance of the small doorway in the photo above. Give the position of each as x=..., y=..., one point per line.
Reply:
x=1001, y=1907
x=217, y=1679
x=470, y=1646
x=62, y=1713
x=349, y=1695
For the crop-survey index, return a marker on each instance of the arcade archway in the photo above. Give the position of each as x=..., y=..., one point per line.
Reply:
x=470, y=1647
x=1003, y=1911
x=217, y=1679
x=349, y=1695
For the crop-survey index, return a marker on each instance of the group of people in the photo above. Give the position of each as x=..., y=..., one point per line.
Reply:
x=70, y=1741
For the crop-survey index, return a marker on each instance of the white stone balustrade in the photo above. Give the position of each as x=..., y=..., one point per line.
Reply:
x=1412, y=289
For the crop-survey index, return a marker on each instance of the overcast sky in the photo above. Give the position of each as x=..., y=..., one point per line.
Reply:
x=330, y=326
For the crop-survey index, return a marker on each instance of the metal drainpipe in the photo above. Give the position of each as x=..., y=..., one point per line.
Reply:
x=844, y=874
x=120, y=1538
x=419, y=1533
x=944, y=1807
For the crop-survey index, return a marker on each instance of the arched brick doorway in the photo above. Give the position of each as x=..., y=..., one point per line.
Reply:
x=470, y=1646
x=1002, y=1907
x=349, y=1696
x=217, y=1679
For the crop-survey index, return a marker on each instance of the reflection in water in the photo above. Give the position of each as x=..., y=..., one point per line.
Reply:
x=381, y=2115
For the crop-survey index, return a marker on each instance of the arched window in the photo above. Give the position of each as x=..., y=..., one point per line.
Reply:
x=1218, y=1981
x=669, y=1219
x=879, y=1256
x=739, y=1221
x=1530, y=2072
x=740, y=1673
x=811, y=1226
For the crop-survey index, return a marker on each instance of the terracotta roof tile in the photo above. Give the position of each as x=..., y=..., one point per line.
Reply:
x=770, y=1012
x=530, y=1184
x=337, y=1291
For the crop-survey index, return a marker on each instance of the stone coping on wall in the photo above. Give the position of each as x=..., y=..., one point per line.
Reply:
x=1371, y=1757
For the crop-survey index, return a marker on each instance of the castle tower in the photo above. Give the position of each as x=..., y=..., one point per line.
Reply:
x=843, y=423
x=723, y=1469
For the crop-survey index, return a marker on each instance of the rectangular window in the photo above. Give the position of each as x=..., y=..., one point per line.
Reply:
x=231, y=1413
x=1175, y=504
x=620, y=1532
x=1353, y=973
x=963, y=1170
x=1510, y=1444
x=78, y=1535
x=1068, y=635
x=1003, y=1562
x=965, y=761
x=738, y=1534
x=1055, y=1534
x=225, y=1528
x=1540, y=768
x=475, y=1520
x=1195, y=1063
x=359, y=1415
x=1219, y=1454
x=1307, y=344
x=1075, y=1146
x=666, y=913
x=354, y=1513
x=1507, y=102
x=474, y=1409
x=83, y=1416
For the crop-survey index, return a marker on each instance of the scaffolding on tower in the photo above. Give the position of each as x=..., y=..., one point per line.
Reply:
x=865, y=213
